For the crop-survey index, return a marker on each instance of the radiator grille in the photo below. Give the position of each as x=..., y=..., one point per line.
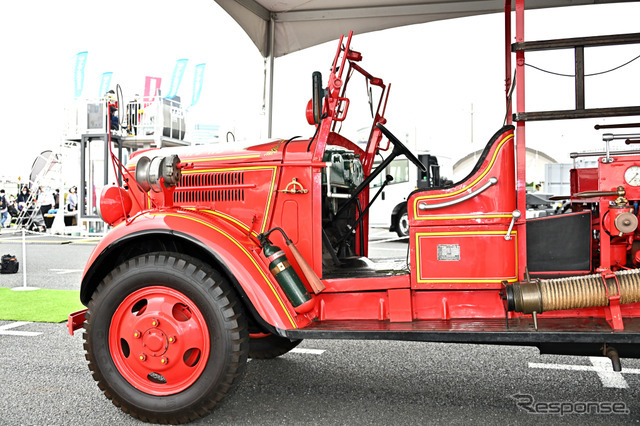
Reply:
x=209, y=187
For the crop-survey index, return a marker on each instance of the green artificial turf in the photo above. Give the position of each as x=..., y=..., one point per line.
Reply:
x=38, y=305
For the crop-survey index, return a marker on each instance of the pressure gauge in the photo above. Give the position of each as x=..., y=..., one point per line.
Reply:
x=632, y=175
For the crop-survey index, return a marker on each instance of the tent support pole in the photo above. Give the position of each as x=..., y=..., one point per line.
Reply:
x=269, y=82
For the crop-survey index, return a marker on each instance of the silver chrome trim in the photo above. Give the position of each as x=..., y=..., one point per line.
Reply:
x=424, y=206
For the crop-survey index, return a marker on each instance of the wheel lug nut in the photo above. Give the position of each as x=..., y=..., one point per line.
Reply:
x=172, y=339
x=164, y=360
x=137, y=334
x=155, y=322
x=142, y=357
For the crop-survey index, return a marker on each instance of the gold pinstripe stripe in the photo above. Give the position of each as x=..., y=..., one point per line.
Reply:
x=454, y=280
x=479, y=216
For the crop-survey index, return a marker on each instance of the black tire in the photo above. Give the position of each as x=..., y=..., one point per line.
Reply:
x=172, y=294
x=268, y=346
x=402, y=223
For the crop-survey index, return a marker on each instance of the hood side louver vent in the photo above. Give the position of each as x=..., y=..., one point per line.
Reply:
x=204, y=188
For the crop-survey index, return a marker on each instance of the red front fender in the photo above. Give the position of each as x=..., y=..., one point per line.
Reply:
x=220, y=240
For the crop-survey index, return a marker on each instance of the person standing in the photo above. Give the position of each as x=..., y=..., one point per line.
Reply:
x=72, y=199
x=24, y=197
x=4, y=209
x=45, y=201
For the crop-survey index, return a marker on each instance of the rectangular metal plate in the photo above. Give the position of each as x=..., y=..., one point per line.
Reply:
x=449, y=252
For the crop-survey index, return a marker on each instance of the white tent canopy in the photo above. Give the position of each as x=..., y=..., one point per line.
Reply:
x=278, y=27
x=292, y=25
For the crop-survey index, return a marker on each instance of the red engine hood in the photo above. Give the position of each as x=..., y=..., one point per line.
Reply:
x=228, y=152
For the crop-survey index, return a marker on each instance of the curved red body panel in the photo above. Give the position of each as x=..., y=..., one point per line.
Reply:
x=237, y=251
x=452, y=236
x=494, y=205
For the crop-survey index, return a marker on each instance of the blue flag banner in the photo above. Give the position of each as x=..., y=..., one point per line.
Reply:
x=78, y=73
x=105, y=83
x=198, y=78
x=176, y=78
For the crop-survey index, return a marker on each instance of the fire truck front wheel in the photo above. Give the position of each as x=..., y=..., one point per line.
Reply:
x=166, y=337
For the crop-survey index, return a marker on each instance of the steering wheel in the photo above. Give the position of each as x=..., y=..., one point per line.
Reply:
x=400, y=148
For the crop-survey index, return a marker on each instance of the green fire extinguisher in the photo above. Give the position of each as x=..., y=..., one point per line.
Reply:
x=286, y=276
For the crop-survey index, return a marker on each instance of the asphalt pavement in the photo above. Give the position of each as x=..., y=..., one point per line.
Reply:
x=44, y=379
x=52, y=262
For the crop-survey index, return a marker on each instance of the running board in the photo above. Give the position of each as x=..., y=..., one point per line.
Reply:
x=520, y=331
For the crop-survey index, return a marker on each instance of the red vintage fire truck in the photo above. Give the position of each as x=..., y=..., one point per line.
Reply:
x=219, y=255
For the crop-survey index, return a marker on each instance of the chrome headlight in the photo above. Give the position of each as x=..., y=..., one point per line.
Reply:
x=149, y=172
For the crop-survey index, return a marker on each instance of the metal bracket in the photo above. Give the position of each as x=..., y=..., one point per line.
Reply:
x=331, y=194
x=613, y=313
x=294, y=187
x=516, y=215
x=608, y=137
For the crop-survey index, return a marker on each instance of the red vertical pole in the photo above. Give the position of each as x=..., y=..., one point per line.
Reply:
x=521, y=153
x=605, y=239
x=520, y=59
x=507, y=58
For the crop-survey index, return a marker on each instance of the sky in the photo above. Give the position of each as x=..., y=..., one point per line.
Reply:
x=447, y=77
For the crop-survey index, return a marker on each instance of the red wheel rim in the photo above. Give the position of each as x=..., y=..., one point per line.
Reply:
x=159, y=340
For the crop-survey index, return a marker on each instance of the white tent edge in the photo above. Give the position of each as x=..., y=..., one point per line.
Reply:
x=279, y=27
